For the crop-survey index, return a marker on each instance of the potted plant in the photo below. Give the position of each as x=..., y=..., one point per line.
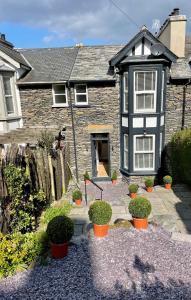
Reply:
x=167, y=182
x=77, y=197
x=60, y=230
x=100, y=213
x=114, y=177
x=86, y=177
x=133, y=188
x=140, y=209
x=149, y=183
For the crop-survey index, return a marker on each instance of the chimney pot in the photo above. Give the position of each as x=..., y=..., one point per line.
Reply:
x=3, y=37
x=176, y=11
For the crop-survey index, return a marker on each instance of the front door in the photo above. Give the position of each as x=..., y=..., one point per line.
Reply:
x=100, y=156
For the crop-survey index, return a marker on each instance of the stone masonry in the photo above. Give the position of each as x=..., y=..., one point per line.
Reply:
x=103, y=109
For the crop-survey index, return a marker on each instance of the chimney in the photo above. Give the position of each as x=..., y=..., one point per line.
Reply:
x=4, y=42
x=173, y=33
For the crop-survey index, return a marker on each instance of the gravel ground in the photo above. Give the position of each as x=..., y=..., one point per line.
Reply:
x=125, y=265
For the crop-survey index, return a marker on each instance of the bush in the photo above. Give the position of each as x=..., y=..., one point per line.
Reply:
x=133, y=188
x=114, y=175
x=149, y=182
x=77, y=194
x=86, y=176
x=52, y=212
x=180, y=156
x=167, y=179
x=18, y=251
x=100, y=212
x=60, y=229
x=140, y=208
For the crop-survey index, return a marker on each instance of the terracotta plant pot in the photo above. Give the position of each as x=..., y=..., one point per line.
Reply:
x=133, y=195
x=59, y=250
x=150, y=189
x=87, y=181
x=140, y=223
x=167, y=186
x=114, y=181
x=100, y=230
x=78, y=202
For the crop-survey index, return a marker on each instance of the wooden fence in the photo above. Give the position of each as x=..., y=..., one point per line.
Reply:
x=49, y=173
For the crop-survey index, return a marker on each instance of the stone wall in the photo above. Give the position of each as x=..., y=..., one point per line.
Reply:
x=103, y=109
x=174, y=109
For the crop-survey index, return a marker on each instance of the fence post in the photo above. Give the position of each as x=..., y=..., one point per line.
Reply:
x=51, y=177
x=62, y=162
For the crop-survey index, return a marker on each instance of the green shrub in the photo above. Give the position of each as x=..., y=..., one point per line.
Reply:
x=18, y=251
x=86, y=176
x=180, y=156
x=133, y=188
x=25, y=205
x=60, y=229
x=100, y=212
x=52, y=212
x=149, y=182
x=140, y=208
x=77, y=194
x=114, y=175
x=167, y=179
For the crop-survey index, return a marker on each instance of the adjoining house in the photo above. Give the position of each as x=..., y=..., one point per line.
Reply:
x=120, y=105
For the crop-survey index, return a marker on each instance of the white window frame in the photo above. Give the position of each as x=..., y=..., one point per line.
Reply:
x=125, y=151
x=64, y=94
x=162, y=92
x=76, y=94
x=125, y=92
x=150, y=110
x=11, y=95
x=144, y=152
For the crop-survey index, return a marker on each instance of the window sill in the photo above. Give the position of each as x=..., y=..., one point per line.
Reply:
x=59, y=105
x=138, y=173
x=81, y=105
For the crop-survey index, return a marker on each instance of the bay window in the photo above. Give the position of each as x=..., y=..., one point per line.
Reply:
x=8, y=94
x=145, y=86
x=144, y=152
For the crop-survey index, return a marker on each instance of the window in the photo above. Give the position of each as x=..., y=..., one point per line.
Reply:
x=125, y=92
x=162, y=92
x=7, y=85
x=125, y=156
x=81, y=94
x=144, y=149
x=60, y=95
x=145, y=91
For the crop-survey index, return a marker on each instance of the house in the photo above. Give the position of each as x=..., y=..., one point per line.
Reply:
x=120, y=104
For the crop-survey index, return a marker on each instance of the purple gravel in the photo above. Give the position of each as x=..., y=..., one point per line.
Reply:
x=125, y=265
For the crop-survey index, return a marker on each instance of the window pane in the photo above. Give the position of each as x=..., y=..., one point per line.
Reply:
x=140, y=81
x=9, y=105
x=148, y=145
x=60, y=99
x=148, y=160
x=59, y=89
x=126, y=101
x=126, y=142
x=140, y=101
x=81, y=88
x=139, y=144
x=7, y=85
x=126, y=81
x=81, y=98
x=149, y=101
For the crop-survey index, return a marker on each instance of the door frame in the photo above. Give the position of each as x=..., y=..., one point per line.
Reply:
x=97, y=137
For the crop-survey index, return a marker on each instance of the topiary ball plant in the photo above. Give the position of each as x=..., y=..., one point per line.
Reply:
x=167, y=179
x=100, y=212
x=133, y=188
x=140, y=208
x=86, y=176
x=60, y=230
x=114, y=175
x=149, y=182
x=76, y=195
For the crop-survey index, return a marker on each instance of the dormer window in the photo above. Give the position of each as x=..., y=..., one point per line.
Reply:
x=81, y=94
x=59, y=95
x=145, y=91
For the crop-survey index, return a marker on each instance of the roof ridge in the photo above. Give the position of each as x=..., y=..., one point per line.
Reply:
x=73, y=63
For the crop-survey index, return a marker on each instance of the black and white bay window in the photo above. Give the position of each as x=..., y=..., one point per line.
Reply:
x=81, y=94
x=59, y=95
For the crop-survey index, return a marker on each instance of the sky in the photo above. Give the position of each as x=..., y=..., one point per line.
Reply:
x=61, y=23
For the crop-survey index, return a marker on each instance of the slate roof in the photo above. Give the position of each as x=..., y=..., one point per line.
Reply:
x=49, y=64
x=14, y=54
x=92, y=63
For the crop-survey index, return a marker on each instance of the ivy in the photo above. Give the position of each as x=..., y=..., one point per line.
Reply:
x=25, y=204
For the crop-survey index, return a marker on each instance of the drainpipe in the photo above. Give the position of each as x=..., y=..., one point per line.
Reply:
x=184, y=104
x=73, y=132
